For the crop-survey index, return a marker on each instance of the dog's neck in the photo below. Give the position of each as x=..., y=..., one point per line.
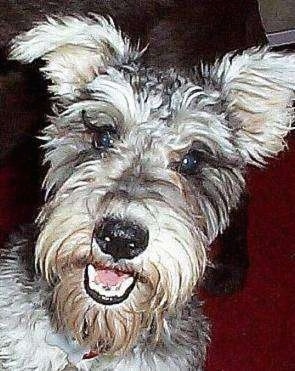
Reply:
x=30, y=339
x=75, y=352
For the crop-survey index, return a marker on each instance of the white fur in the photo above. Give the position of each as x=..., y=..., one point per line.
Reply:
x=240, y=115
x=74, y=49
x=28, y=341
x=258, y=88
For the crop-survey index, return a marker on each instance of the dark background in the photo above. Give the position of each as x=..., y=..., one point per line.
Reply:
x=253, y=329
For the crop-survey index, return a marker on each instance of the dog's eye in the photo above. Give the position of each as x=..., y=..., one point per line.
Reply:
x=102, y=136
x=189, y=163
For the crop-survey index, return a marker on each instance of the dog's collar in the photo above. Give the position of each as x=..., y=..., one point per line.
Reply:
x=75, y=352
x=91, y=354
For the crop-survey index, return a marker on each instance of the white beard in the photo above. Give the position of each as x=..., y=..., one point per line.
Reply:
x=30, y=342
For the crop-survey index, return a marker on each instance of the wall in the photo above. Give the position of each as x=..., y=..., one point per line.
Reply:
x=278, y=15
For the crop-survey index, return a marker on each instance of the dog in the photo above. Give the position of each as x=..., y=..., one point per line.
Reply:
x=145, y=166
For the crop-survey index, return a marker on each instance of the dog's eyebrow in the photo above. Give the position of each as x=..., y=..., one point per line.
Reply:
x=86, y=122
x=204, y=130
x=91, y=113
x=116, y=93
x=112, y=122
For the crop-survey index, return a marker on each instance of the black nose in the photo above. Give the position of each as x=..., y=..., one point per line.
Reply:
x=121, y=239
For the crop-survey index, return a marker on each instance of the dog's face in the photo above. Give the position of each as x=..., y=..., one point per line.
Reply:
x=144, y=168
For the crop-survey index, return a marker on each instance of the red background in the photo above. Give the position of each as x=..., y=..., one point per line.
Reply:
x=254, y=329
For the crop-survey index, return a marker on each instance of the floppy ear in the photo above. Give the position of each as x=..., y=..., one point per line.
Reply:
x=257, y=90
x=75, y=50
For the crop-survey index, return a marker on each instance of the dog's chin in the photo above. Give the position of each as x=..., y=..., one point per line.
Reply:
x=108, y=286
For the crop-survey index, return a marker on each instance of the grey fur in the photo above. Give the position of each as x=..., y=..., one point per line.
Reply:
x=231, y=114
x=187, y=339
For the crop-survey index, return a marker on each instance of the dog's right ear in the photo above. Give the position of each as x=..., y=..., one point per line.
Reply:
x=75, y=49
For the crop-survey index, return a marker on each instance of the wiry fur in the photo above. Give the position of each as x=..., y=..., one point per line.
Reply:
x=233, y=113
x=29, y=342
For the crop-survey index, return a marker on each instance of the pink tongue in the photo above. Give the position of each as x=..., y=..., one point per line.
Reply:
x=108, y=277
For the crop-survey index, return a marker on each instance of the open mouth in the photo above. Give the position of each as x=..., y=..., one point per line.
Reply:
x=108, y=285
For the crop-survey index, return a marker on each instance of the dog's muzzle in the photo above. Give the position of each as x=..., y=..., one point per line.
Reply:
x=120, y=239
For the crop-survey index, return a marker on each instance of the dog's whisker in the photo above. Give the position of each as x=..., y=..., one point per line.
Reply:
x=146, y=167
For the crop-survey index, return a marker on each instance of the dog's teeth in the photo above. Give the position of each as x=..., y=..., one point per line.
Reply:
x=91, y=272
x=107, y=292
x=111, y=291
x=125, y=284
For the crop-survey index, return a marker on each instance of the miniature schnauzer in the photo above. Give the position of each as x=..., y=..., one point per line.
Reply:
x=145, y=166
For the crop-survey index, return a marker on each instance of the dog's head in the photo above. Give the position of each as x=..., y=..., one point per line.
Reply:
x=144, y=168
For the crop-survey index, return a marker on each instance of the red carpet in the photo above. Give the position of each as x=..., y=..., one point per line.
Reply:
x=252, y=330
x=255, y=329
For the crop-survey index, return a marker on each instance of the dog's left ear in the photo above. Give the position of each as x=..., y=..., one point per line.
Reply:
x=75, y=50
x=257, y=92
